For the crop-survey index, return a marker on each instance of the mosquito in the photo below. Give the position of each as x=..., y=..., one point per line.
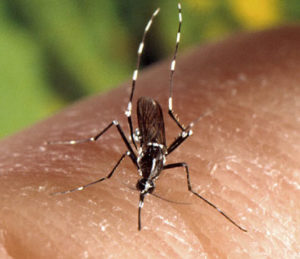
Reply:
x=148, y=148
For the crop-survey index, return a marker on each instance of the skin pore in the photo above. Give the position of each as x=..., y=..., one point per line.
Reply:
x=243, y=157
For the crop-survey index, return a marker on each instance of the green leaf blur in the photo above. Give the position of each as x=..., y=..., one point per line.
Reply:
x=53, y=52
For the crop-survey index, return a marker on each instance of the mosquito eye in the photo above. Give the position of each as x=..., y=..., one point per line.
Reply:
x=140, y=185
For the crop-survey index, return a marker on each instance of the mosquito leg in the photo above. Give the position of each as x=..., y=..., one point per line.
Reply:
x=73, y=142
x=186, y=131
x=96, y=137
x=170, y=166
x=179, y=140
x=135, y=75
x=97, y=181
x=173, y=64
x=185, y=134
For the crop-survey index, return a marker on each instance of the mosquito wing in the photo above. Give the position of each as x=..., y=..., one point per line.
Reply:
x=151, y=121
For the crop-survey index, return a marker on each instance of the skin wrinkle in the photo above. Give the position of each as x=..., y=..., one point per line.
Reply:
x=243, y=158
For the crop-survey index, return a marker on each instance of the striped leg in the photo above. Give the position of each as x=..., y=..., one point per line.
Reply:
x=173, y=64
x=97, y=181
x=95, y=138
x=178, y=141
x=185, y=133
x=170, y=166
x=78, y=141
x=135, y=74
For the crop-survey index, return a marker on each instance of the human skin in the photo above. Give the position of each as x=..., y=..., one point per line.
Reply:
x=243, y=157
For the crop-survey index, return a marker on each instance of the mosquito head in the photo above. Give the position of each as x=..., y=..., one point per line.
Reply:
x=145, y=185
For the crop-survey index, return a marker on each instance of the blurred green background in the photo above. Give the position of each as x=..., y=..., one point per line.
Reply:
x=53, y=52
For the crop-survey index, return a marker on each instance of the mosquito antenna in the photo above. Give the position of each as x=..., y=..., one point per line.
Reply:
x=135, y=73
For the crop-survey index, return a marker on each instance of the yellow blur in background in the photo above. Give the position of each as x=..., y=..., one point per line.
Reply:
x=55, y=52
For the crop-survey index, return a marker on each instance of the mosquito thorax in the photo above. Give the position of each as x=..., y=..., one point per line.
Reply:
x=151, y=161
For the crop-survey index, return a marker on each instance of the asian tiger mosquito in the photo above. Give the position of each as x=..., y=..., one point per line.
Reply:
x=150, y=159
